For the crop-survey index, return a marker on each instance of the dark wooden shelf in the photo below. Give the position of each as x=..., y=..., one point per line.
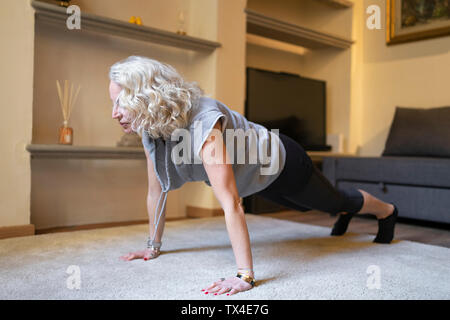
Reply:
x=56, y=151
x=268, y=27
x=340, y=4
x=87, y=152
x=317, y=156
x=57, y=15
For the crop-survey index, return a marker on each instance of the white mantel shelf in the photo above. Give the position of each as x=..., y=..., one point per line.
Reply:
x=268, y=27
x=56, y=151
x=54, y=14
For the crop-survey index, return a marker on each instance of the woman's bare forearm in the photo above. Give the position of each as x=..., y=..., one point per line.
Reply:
x=152, y=202
x=221, y=176
x=239, y=237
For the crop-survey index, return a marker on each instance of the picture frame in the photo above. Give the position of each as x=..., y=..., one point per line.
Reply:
x=414, y=20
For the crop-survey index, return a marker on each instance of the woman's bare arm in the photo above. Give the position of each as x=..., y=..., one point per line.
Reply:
x=221, y=177
x=154, y=191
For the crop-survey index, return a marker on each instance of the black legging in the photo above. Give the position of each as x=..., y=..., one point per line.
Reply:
x=301, y=186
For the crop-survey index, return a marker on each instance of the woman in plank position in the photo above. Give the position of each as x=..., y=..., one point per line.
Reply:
x=153, y=100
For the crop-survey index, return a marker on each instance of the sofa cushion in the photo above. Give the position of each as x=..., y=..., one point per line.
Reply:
x=419, y=171
x=419, y=132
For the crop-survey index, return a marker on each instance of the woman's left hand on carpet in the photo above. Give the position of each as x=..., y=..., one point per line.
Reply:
x=229, y=286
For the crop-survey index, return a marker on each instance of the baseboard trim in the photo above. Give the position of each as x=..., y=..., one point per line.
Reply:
x=97, y=226
x=17, y=231
x=198, y=212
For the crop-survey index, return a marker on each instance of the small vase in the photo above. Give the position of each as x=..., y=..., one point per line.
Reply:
x=64, y=3
x=181, y=22
x=65, y=135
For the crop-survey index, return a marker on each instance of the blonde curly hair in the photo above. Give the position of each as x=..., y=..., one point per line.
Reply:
x=156, y=95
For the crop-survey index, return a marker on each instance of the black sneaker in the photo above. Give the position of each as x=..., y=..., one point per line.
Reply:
x=386, y=227
x=341, y=225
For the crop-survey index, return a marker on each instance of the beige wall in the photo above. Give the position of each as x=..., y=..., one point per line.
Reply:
x=415, y=74
x=16, y=88
x=356, y=76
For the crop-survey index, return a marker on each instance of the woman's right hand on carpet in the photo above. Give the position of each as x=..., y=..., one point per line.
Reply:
x=143, y=254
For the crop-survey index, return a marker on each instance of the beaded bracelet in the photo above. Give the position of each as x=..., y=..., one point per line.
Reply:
x=246, y=271
x=153, y=244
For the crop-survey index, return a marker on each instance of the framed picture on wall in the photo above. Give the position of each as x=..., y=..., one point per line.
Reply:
x=413, y=20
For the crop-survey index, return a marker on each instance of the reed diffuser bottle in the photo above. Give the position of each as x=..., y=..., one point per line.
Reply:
x=67, y=102
x=65, y=134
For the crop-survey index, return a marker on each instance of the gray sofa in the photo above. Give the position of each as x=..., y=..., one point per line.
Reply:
x=414, y=169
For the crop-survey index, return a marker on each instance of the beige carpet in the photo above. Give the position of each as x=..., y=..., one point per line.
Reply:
x=291, y=260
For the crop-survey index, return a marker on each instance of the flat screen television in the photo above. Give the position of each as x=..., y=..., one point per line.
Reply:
x=289, y=102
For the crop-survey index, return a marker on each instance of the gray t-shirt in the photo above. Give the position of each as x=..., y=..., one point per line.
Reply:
x=251, y=176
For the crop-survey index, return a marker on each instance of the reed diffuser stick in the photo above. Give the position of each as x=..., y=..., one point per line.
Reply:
x=66, y=101
x=60, y=98
x=70, y=98
x=72, y=102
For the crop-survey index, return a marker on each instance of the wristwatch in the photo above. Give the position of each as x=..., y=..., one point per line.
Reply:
x=246, y=278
